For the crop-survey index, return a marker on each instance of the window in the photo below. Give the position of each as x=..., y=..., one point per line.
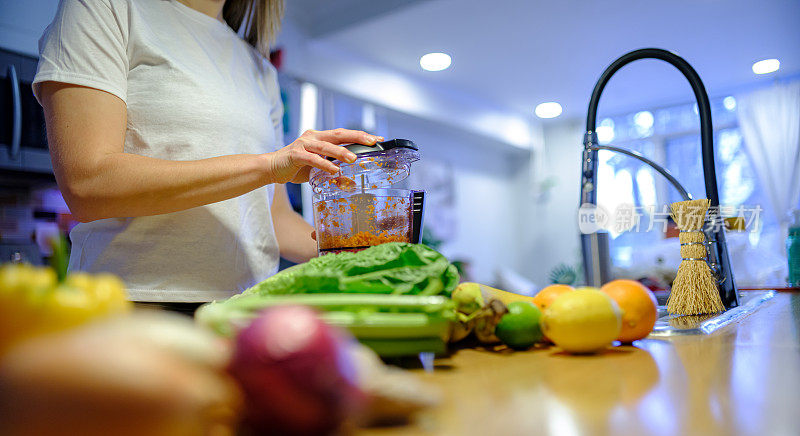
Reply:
x=671, y=137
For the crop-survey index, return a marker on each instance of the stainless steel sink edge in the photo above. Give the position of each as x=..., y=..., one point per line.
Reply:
x=675, y=325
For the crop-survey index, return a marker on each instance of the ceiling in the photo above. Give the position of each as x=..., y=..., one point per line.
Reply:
x=519, y=53
x=322, y=17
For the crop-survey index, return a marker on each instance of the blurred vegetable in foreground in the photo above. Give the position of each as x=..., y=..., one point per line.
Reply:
x=392, y=325
x=393, y=395
x=150, y=373
x=295, y=372
x=33, y=301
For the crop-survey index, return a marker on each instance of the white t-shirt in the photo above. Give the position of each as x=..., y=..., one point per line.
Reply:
x=193, y=89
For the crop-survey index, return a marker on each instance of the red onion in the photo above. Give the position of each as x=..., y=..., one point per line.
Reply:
x=295, y=373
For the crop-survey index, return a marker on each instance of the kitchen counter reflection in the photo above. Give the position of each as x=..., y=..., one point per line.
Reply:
x=743, y=379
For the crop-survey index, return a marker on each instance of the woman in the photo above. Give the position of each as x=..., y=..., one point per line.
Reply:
x=165, y=134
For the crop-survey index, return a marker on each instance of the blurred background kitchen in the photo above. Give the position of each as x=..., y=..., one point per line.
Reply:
x=498, y=112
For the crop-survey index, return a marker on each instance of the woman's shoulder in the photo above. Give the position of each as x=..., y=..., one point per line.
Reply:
x=87, y=10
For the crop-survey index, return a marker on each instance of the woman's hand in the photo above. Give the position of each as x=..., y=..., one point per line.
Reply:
x=293, y=163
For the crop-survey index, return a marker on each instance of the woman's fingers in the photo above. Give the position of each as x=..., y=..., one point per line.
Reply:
x=303, y=158
x=345, y=136
x=328, y=149
x=312, y=145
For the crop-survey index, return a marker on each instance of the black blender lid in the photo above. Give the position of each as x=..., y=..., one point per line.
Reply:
x=359, y=149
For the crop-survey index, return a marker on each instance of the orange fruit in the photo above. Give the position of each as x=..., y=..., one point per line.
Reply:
x=546, y=296
x=638, y=306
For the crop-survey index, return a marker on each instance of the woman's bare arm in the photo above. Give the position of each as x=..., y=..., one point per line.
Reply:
x=86, y=134
x=293, y=232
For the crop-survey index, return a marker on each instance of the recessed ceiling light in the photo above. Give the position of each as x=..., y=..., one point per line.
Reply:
x=644, y=120
x=766, y=66
x=605, y=131
x=729, y=102
x=435, y=61
x=550, y=109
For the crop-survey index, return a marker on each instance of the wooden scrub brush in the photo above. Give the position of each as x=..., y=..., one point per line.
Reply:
x=694, y=291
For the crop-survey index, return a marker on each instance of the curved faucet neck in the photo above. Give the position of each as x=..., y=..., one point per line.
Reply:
x=703, y=108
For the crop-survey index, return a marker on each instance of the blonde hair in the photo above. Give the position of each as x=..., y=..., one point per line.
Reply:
x=258, y=21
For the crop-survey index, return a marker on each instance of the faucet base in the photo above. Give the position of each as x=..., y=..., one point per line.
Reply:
x=597, y=260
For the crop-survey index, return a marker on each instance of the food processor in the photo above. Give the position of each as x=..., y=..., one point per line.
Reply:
x=357, y=208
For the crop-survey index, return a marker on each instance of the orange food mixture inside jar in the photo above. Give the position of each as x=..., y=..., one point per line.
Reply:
x=361, y=221
x=360, y=239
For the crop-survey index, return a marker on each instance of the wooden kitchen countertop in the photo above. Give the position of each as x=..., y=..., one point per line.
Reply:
x=743, y=379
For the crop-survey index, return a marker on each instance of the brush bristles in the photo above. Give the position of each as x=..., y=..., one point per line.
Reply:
x=690, y=215
x=694, y=291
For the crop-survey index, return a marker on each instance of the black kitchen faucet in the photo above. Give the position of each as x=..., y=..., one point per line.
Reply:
x=594, y=246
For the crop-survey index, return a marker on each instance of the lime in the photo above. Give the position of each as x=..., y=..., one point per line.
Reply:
x=519, y=328
x=582, y=321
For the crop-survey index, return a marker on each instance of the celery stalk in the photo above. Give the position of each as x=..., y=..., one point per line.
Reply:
x=405, y=347
x=388, y=325
x=426, y=304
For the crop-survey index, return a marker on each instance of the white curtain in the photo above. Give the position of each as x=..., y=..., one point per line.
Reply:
x=769, y=120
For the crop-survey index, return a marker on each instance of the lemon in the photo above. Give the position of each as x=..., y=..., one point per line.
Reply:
x=519, y=328
x=583, y=321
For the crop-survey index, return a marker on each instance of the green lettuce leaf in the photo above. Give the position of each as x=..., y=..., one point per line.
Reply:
x=391, y=268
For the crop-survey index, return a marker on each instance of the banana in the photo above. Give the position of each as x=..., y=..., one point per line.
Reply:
x=468, y=298
x=460, y=328
x=486, y=322
x=506, y=297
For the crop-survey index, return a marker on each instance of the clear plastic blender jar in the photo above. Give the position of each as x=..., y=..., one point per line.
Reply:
x=357, y=208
